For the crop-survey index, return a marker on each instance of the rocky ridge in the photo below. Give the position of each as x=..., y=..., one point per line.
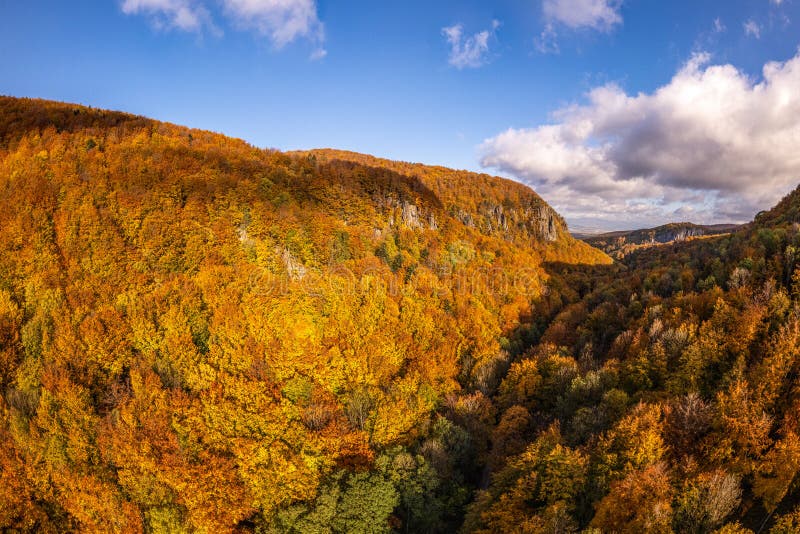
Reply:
x=620, y=244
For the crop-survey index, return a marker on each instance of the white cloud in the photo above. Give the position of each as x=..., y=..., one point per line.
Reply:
x=469, y=51
x=719, y=26
x=181, y=14
x=711, y=139
x=547, y=42
x=281, y=21
x=600, y=15
x=751, y=28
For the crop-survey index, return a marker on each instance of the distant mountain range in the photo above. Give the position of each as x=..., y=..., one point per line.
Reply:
x=620, y=244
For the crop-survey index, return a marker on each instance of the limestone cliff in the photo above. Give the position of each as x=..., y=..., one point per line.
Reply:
x=422, y=197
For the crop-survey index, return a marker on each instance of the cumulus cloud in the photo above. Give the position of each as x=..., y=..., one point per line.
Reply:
x=600, y=15
x=468, y=51
x=280, y=21
x=712, y=139
x=752, y=28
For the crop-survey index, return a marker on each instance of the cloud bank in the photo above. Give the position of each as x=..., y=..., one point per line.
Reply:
x=711, y=145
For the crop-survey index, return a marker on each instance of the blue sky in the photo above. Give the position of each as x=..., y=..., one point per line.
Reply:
x=531, y=90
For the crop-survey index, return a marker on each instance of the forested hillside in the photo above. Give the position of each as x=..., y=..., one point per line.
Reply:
x=620, y=244
x=666, y=399
x=199, y=335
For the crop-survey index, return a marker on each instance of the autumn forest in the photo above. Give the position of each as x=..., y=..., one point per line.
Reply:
x=198, y=335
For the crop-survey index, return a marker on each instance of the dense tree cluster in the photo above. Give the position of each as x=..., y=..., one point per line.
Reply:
x=199, y=335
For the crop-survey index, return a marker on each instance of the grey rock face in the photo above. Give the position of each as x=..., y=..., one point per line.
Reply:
x=294, y=268
x=667, y=236
x=410, y=215
x=536, y=219
x=500, y=218
x=543, y=222
x=466, y=218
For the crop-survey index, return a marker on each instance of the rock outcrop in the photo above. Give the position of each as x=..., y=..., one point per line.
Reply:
x=294, y=268
x=428, y=198
x=536, y=220
x=410, y=214
x=545, y=222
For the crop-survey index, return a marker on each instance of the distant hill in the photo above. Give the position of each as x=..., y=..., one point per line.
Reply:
x=620, y=244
